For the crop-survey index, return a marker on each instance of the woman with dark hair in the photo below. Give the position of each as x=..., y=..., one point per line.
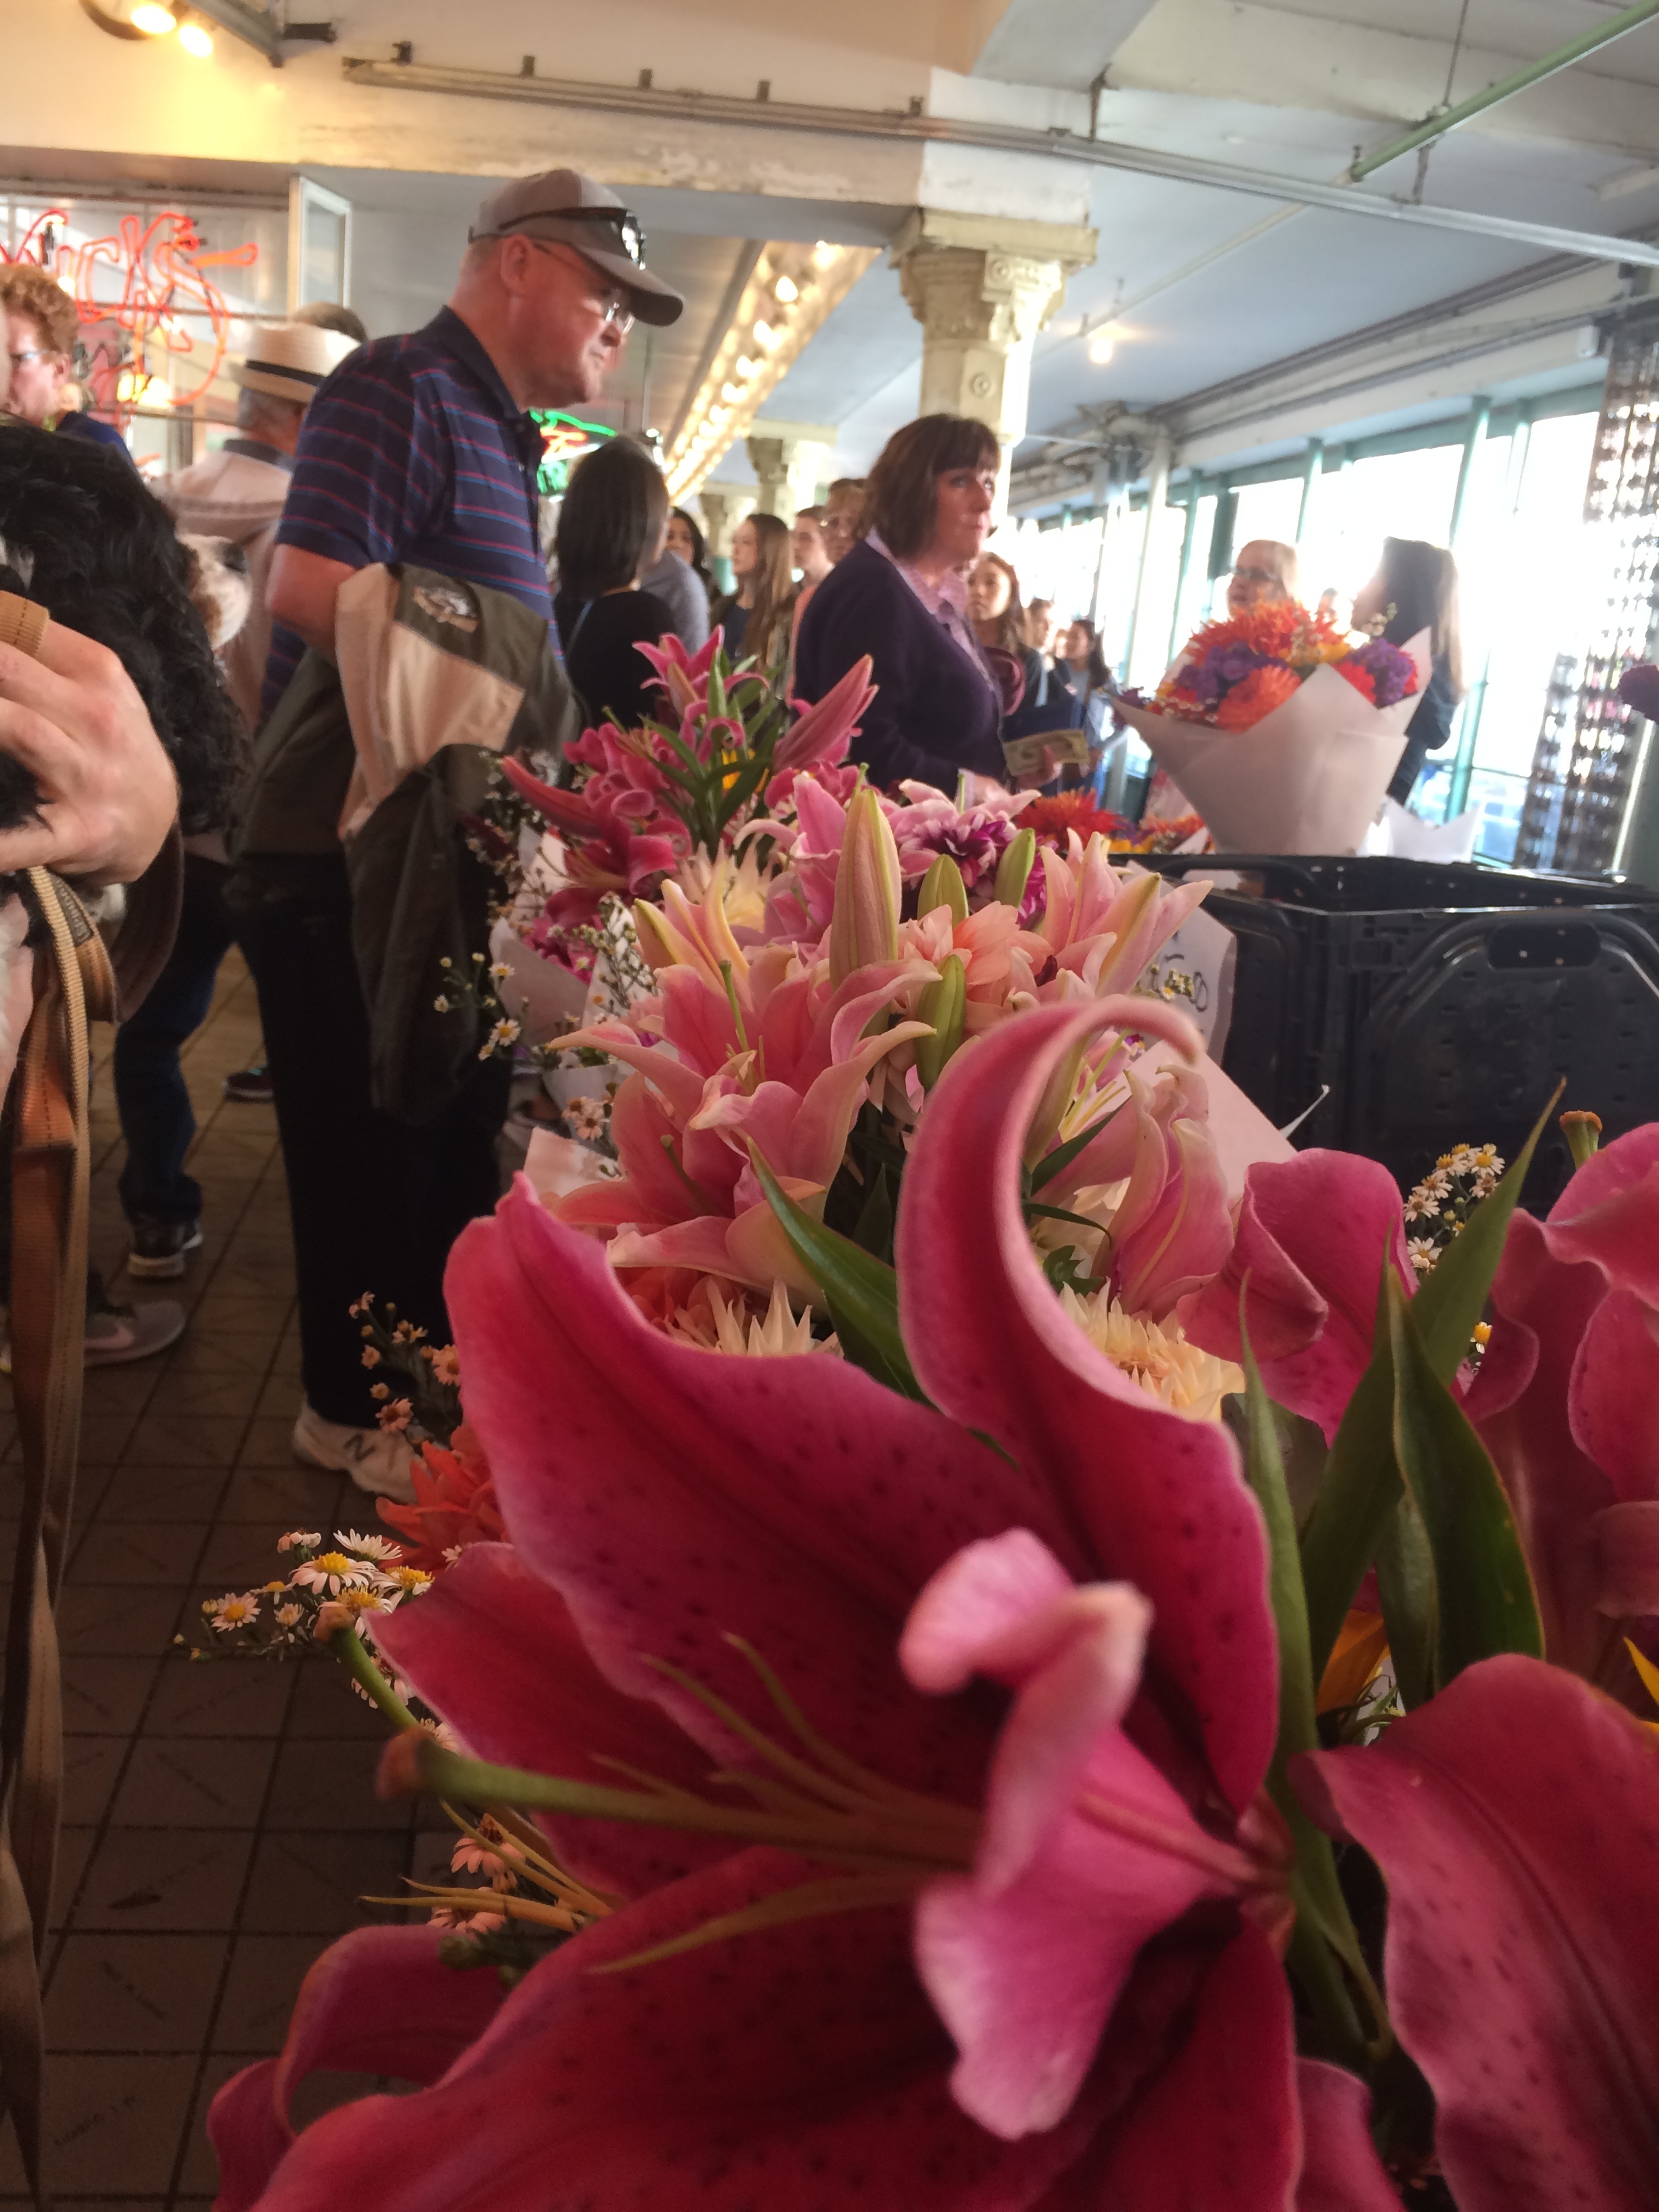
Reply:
x=995, y=610
x=1415, y=588
x=687, y=541
x=611, y=523
x=756, y=616
x=899, y=597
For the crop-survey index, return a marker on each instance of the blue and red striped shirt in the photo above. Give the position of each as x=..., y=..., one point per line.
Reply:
x=414, y=450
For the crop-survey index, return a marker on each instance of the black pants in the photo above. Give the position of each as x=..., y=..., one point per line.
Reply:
x=150, y=1092
x=375, y=1203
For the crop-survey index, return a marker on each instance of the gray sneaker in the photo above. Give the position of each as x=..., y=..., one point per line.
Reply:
x=116, y=1333
x=377, y=1460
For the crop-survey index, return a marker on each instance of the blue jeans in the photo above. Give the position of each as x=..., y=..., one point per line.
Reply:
x=150, y=1093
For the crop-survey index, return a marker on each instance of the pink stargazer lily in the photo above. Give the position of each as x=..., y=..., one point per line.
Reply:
x=1560, y=1404
x=1312, y=1233
x=662, y=1500
x=1513, y=1819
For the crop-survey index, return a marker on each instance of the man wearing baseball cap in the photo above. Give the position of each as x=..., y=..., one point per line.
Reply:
x=422, y=450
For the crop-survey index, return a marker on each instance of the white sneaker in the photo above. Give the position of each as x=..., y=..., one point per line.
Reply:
x=116, y=1333
x=377, y=1460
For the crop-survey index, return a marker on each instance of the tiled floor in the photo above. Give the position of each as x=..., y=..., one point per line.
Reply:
x=221, y=1823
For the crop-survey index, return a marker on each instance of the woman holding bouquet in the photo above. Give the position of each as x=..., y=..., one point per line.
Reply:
x=1415, y=588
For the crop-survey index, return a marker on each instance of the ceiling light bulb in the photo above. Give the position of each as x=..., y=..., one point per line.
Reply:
x=823, y=254
x=1102, y=346
x=154, y=20
x=765, y=334
x=731, y=391
x=785, y=289
x=196, y=39
x=745, y=365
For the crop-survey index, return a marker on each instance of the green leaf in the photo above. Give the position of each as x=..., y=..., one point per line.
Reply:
x=1362, y=1482
x=1053, y=1163
x=1485, y=1602
x=1405, y=1585
x=862, y=1293
x=1324, y=1923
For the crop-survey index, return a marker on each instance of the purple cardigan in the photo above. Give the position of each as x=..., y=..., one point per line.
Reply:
x=934, y=713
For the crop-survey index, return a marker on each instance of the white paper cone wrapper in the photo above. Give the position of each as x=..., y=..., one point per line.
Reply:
x=1308, y=778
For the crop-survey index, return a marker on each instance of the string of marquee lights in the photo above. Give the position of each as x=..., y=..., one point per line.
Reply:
x=791, y=291
x=156, y=271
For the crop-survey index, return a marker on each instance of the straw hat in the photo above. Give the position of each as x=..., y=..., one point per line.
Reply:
x=291, y=360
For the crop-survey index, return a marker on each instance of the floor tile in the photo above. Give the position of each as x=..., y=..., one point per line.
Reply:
x=315, y=1885
x=188, y=1880
x=263, y=1980
x=111, y=2121
x=205, y=1440
x=221, y=1697
x=326, y=1705
x=130, y=1993
x=269, y=1441
x=104, y=1694
x=151, y=1493
x=330, y=1785
x=91, y=1767
x=133, y=1552
x=183, y=1782
x=139, y=1619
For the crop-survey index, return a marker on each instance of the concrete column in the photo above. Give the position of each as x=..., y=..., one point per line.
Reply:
x=717, y=524
x=983, y=286
x=790, y=459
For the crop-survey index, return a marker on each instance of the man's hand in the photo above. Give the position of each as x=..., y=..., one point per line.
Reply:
x=108, y=795
x=300, y=591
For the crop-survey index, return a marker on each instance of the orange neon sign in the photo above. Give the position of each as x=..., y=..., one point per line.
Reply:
x=159, y=269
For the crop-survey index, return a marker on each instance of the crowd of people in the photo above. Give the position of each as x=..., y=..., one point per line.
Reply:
x=388, y=489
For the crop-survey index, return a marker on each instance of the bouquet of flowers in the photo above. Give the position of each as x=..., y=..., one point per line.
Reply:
x=1030, y=1663
x=1282, y=733
x=1235, y=671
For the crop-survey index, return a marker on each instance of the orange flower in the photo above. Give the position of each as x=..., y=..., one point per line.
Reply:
x=455, y=1504
x=1361, y=678
x=1263, y=689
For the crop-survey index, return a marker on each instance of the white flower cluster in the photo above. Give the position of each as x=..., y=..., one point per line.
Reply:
x=1446, y=1197
x=358, y=1575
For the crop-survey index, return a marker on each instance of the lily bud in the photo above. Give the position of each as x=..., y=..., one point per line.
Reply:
x=1582, y=1131
x=945, y=1004
x=942, y=885
x=1014, y=867
x=864, y=924
x=651, y=931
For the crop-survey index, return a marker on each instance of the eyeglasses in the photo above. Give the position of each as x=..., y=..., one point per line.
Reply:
x=616, y=313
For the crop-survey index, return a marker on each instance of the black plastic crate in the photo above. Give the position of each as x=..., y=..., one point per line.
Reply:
x=1439, y=1004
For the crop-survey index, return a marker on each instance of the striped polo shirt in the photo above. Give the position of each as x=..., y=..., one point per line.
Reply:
x=414, y=450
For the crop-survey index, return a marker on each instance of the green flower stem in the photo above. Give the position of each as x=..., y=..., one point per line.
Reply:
x=353, y=1654
x=889, y=1835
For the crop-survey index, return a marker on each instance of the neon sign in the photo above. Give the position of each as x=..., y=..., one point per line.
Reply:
x=565, y=438
x=158, y=269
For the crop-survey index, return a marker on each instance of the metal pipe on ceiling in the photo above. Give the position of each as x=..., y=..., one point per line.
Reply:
x=1550, y=64
x=944, y=130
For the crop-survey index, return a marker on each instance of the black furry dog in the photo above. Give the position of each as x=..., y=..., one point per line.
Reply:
x=80, y=534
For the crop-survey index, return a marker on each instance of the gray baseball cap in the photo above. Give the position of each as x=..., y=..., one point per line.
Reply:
x=577, y=210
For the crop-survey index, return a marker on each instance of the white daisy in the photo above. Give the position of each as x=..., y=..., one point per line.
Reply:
x=300, y=1539
x=367, y=1548
x=233, y=1611
x=332, y=1572
x=289, y=1616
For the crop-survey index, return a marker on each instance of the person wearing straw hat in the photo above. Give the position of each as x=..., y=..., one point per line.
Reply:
x=238, y=493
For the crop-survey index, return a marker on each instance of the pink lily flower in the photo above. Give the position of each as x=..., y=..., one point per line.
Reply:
x=1312, y=1233
x=821, y=733
x=683, y=675
x=662, y=1500
x=1556, y=1401
x=1513, y=1817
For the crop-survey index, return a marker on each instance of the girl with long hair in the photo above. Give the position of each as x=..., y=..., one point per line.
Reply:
x=756, y=616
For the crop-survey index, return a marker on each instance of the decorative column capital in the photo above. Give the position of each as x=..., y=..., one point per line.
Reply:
x=787, y=458
x=983, y=286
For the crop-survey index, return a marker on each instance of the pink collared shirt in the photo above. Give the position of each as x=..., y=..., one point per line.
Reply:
x=947, y=602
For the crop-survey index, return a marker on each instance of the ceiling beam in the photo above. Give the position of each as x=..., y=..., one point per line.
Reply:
x=722, y=109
